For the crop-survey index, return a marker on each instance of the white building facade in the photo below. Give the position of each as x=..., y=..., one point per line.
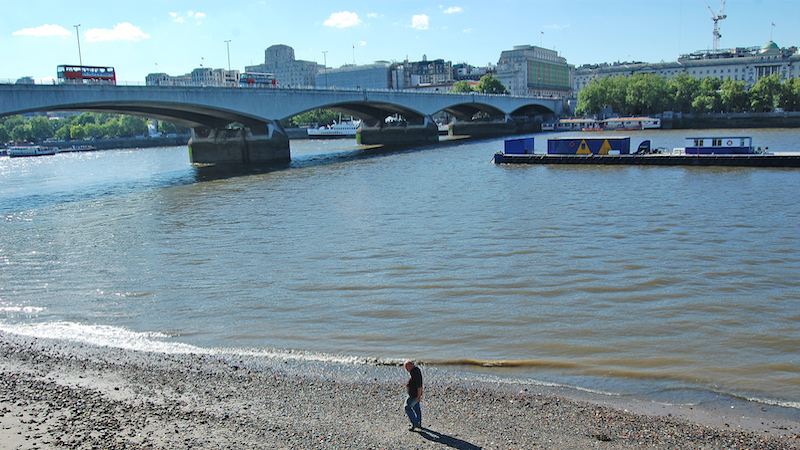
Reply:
x=531, y=71
x=279, y=60
x=739, y=64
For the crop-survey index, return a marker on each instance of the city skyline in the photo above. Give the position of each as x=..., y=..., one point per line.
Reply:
x=138, y=38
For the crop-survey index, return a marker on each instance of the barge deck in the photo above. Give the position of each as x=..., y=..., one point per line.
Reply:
x=748, y=160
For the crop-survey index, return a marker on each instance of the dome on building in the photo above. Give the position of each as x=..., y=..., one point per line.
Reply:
x=769, y=47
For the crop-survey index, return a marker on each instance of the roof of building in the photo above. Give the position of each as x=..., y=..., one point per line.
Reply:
x=769, y=47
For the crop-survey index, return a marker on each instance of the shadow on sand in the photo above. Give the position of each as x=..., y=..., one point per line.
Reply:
x=444, y=439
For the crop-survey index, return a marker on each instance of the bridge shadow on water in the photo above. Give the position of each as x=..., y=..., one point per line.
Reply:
x=225, y=171
x=446, y=440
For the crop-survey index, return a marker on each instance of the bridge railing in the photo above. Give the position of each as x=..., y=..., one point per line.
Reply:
x=53, y=81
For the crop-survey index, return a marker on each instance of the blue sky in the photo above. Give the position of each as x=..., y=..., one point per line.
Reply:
x=144, y=36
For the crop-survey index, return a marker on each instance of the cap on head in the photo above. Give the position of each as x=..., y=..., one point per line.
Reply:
x=409, y=365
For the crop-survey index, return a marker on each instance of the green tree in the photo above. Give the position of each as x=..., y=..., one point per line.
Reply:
x=703, y=104
x=94, y=130
x=63, y=133
x=77, y=132
x=20, y=133
x=682, y=89
x=4, y=137
x=111, y=127
x=130, y=126
x=462, y=86
x=41, y=128
x=11, y=122
x=790, y=95
x=169, y=127
x=765, y=93
x=592, y=98
x=488, y=84
x=734, y=96
x=85, y=118
x=321, y=117
x=646, y=94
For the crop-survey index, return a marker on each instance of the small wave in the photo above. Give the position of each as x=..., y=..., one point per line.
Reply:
x=22, y=309
x=157, y=342
x=504, y=363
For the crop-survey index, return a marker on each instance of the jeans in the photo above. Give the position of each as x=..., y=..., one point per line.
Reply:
x=414, y=412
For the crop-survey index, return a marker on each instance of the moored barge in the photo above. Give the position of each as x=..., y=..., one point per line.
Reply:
x=724, y=151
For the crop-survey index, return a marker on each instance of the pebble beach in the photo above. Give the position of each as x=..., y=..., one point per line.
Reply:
x=57, y=394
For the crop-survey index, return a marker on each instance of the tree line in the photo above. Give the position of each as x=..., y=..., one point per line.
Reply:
x=78, y=126
x=645, y=94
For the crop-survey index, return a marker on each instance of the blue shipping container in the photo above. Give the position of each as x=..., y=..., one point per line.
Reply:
x=588, y=146
x=519, y=146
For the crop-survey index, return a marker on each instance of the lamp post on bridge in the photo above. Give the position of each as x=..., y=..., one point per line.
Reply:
x=78, y=34
x=325, y=68
x=228, y=43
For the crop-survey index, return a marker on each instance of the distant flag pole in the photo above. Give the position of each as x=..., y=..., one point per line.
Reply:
x=541, y=36
x=770, y=31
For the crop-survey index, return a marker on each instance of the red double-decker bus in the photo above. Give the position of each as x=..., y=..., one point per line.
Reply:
x=258, y=79
x=86, y=75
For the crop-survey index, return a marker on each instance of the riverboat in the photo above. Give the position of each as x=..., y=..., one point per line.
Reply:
x=613, y=124
x=714, y=151
x=631, y=123
x=337, y=130
x=30, y=150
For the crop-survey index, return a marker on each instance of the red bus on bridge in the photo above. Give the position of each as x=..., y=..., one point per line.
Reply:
x=258, y=79
x=86, y=75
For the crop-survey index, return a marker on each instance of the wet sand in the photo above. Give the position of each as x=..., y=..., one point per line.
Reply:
x=57, y=394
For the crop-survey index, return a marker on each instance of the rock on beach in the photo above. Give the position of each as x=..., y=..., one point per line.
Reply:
x=56, y=394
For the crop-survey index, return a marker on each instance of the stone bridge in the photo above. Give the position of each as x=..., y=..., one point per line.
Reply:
x=258, y=136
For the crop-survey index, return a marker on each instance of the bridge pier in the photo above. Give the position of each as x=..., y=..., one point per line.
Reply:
x=402, y=133
x=488, y=128
x=264, y=144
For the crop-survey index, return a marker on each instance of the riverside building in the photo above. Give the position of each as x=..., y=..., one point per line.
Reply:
x=739, y=64
x=202, y=76
x=531, y=71
x=380, y=75
x=279, y=60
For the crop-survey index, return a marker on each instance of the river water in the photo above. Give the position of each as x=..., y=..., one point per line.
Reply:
x=675, y=283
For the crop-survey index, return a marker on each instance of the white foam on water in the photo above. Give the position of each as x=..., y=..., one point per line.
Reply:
x=20, y=309
x=101, y=336
x=116, y=337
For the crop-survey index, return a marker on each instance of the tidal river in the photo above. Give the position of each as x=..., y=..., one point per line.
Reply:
x=677, y=283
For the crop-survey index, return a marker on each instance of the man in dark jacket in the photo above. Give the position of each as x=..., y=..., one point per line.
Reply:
x=414, y=386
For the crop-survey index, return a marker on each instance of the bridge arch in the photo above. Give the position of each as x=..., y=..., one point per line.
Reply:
x=210, y=110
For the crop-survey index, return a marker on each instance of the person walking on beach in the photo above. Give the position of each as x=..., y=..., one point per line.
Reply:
x=414, y=385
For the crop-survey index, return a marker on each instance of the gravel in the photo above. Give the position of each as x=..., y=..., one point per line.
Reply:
x=57, y=394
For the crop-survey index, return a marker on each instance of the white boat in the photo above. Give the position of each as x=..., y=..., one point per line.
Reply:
x=340, y=129
x=30, y=150
x=632, y=123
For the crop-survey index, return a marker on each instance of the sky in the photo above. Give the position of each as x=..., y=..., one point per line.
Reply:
x=144, y=36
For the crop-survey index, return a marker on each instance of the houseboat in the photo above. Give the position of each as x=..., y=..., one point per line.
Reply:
x=30, y=150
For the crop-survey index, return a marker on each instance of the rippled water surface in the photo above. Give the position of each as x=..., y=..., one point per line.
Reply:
x=612, y=277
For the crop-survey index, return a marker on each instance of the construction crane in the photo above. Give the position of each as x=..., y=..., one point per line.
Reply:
x=716, y=18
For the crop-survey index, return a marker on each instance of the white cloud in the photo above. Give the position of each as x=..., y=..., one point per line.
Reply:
x=342, y=19
x=453, y=9
x=362, y=43
x=374, y=15
x=43, y=31
x=122, y=32
x=556, y=27
x=189, y=15
x=420, y=22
